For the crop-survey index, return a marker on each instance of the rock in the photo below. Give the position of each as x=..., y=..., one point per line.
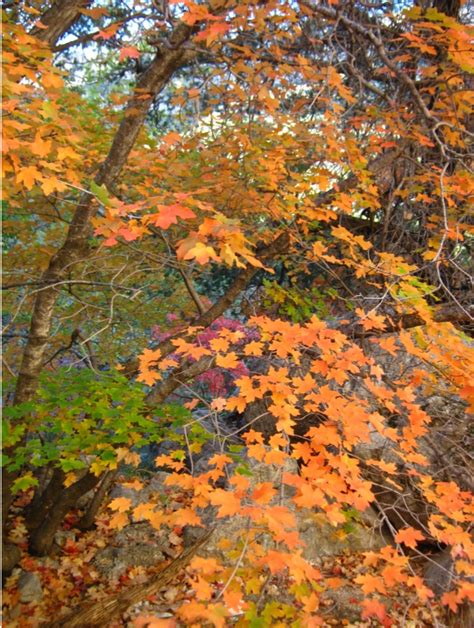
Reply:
x=343, y=603
x=440, y=576
x=29, y=586
x=446, y=444
x=14, y=613
x=62, y=536
x=115, y=561
x=135, y=546
x=213, y=432
x=321, y=539
x=11, y=555
x=439, y=572
x=136, y=497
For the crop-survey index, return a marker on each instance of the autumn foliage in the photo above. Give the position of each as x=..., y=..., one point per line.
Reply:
x=245, y=227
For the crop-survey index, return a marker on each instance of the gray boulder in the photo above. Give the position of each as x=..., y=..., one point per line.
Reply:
x=321, y=539
x=137, y=545
x=29, y=586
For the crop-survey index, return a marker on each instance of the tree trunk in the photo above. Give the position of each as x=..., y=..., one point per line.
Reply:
x=43, y=537
x=75, y=246
x=43, y=501
x=87, y=520
x=58, y=19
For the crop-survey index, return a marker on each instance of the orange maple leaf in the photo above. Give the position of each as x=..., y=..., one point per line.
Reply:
x=188, y=348
x=373, y=608
x=128, y=52
x=264, y=493
x=206, y=566
x=233, y=600
x=108, y=32
x=143, y=511
x=219, y=344
x=409, y=537
x=41, y=147
x=371, y=583
x=212, y=32
x=371, y=320
x=229, y=361
x=220, y=460
x=276, y=561
x=202, y=589
x=451, y=599
x=247, y=390
x=186, y=516
x=254, y=348
x=168, y=215
x=156, y=519
x=228, y=502
x=28, y=176
x=279, y=519
x=393, y=574
x=276, y=456
x=388, y=344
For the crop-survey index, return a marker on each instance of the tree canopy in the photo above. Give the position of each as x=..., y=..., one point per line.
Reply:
x=244, y=227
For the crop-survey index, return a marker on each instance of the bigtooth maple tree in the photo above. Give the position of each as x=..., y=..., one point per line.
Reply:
x=309, y=164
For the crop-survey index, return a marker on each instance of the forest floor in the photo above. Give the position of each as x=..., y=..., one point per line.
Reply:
x=89, y=566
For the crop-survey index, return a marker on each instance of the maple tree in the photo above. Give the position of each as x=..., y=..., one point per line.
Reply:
x=255, y=209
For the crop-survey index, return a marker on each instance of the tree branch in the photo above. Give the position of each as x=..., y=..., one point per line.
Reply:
x=58, y=19
x=446, y=313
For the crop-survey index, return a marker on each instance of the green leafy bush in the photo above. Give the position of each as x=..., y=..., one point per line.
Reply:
x=81, y=419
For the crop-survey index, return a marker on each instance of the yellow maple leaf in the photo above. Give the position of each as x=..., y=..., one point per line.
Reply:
x=28, y=176
x=70, y=478
x=118, y=521
x=66, y=152
x=192, y=248
x=143, y=511
x=52, y=184
x=121, y=504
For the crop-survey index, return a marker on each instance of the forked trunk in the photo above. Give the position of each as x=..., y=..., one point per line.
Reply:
x=42, y=537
